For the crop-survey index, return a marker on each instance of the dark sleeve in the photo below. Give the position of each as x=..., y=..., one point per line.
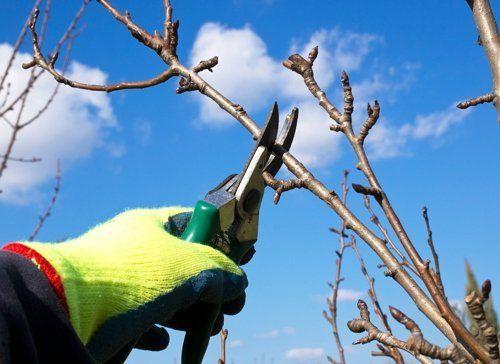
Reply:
x=34, y=328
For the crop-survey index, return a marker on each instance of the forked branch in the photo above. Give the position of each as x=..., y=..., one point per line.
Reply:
x=49, y=66
x=344, y=124
x=415, y=344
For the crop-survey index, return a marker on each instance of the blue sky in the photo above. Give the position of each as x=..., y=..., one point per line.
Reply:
x=153, y=148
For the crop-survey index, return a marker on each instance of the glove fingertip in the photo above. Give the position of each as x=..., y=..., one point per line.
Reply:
x=155, y=339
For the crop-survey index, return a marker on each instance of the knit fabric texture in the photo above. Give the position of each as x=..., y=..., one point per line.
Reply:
x=130, y=261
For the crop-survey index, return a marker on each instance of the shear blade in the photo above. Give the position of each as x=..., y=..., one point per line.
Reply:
x=285, y=139
x=266, y=139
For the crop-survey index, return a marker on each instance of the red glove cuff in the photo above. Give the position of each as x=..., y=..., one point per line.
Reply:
x=42, y=264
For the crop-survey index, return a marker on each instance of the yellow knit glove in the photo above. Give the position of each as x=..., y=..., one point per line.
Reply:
x=129, y=273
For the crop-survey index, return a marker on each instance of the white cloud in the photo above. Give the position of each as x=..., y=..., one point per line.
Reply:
x=314, y=143
x=249, y=75
x=72, y=127
x=142, y=130
x=235, y=344
x=245, y=72
x=305, y=354
x=349, y=294
x=344, y=294
x=459, y=305
x=338, y=50
x=387, y=141
x=287, y=330
x=437, y=123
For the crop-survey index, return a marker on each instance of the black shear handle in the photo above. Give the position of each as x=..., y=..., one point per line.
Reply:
x=198, y=335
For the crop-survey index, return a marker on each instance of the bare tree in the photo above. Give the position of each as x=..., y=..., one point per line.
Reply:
x=423, y=289
x=13, y=106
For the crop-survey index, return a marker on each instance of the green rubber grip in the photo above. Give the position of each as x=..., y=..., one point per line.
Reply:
x=204, y=223
x=202, y=228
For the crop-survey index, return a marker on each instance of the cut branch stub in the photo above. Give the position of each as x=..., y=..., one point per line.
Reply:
x=281, y=186
x=206, y=65
x=186, y=85
x=371, y=191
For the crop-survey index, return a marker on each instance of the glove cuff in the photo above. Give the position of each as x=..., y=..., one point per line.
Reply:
x=43, y=265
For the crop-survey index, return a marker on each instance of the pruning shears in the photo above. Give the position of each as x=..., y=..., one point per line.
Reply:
x=228, y=217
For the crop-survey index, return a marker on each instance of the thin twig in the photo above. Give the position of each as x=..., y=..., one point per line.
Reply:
x=223, y=338
x=48, y=211
x=332, y=302
x=35, y=76
x=17, y=45
x=374, y=219
x=24, y=160
x=476, y=101
x=430, y=242
x=388, y=351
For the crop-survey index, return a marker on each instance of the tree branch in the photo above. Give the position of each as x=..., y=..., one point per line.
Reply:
x=374, y=218
x=488, y=35
x=16, y=47
x=415, y=345
x=49, y=66
x=476, y=101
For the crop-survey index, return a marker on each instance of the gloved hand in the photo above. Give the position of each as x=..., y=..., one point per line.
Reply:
x=124, y=276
